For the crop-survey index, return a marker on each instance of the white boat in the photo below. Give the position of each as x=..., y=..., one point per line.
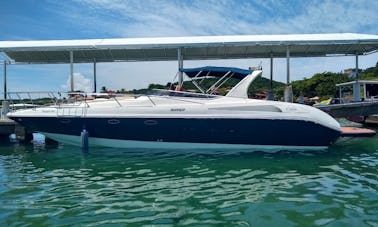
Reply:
x=176, y=119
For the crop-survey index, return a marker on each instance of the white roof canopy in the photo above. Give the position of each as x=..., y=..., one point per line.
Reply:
x=358, y=82
x=192, y=48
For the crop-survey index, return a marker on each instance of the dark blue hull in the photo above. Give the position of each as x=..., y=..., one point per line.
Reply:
x=190, y=130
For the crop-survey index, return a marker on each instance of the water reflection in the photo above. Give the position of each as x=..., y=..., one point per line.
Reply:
x=61, y=186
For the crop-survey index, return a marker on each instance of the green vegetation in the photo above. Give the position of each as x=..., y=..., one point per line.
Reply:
x=320, y=84
x=260, y=85
x=323, y=84
x=370, y=73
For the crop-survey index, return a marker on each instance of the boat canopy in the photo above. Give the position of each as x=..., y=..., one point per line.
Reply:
x=214, y=71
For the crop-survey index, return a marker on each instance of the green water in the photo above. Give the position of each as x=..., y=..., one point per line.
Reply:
x=59, y=186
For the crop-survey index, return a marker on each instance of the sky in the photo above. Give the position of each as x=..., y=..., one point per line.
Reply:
x=86, y=19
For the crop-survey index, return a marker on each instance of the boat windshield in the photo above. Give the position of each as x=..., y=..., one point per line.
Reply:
x=160, y=92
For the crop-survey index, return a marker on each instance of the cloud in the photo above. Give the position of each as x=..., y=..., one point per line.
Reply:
x=81, y=83
x=134, y=18
x=151, y=18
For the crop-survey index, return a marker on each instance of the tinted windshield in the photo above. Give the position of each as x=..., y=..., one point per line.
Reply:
x=179, y=94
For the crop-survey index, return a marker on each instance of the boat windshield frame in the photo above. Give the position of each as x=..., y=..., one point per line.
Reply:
x=222, y=73
x=181, y=94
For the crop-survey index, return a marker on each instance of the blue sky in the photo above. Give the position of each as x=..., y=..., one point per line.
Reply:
x=79, y=19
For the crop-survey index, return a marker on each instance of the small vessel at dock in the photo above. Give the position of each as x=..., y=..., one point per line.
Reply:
x=178, y=119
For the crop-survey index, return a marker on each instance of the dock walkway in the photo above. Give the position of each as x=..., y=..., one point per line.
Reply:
x=351, y=109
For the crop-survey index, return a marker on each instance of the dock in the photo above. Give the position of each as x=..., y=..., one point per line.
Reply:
x=7, y=126
x=351, y=109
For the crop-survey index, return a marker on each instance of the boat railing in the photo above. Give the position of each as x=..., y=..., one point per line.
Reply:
x=35, y=99
x=76, y=103
x=69, y=101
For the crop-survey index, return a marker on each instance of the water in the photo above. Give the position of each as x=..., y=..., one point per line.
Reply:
x=59, y=186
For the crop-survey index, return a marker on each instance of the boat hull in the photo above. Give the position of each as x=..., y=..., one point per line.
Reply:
x=212, y=131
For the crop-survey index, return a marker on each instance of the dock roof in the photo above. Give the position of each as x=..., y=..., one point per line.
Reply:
x=357, y=81
x=192, y=48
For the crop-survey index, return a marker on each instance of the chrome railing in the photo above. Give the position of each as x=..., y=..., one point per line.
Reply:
x=76, y=103
x=35, y=99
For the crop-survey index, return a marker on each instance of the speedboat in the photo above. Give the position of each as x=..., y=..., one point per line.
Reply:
x=179, y=119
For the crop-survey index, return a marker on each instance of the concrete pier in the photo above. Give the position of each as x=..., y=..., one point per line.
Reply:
x=23, y=135
x=7, y=127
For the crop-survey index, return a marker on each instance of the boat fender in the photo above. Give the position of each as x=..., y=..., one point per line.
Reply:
x=84, y=140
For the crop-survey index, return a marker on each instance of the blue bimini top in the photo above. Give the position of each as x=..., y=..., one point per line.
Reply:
x=214, y=71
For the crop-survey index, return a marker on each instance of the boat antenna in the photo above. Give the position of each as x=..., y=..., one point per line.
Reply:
x=259, y=66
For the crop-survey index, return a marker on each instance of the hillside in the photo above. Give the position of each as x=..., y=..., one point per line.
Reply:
x=260, y=85
x=323, y=84
x=320, y=84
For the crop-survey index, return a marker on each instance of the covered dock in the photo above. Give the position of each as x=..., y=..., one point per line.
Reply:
x=179, y=49
x=187, y=48
x=369, y=88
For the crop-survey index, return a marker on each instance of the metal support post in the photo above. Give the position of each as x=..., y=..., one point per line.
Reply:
x=180, y=65
x=71, y=71
x=5, y=80
x=288, y=96
x=5, y=104
x=94, y=76
x=270, y=95
x=287, y=65
x=356, y=88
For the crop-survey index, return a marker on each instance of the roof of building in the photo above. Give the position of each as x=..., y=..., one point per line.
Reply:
x=359, y=81
x=192, y=48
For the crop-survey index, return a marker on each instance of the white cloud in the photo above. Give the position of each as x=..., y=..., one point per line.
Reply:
x=147, y=18
x=134, y=18
x=81, y=83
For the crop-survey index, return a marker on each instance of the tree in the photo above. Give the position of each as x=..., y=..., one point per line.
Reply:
x=321, y=84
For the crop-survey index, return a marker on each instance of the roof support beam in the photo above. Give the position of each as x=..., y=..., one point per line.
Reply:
x=5, y=80
x=71, y=71
x=180, y=66
x=356, y=89
x=287, y=65
x=94, y=76
x=288, y=96
x=270, y=95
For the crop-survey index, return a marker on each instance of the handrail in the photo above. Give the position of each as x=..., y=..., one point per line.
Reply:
x=34, y=99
